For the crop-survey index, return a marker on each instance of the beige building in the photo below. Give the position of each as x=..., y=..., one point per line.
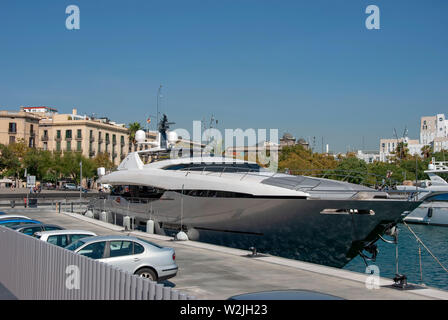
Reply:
x=17, y=126
x=44, y=128
x=72, y=132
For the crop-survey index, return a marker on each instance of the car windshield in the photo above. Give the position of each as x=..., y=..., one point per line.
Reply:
x=75, y=245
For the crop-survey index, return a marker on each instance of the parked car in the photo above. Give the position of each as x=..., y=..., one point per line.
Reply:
x=15, y=222
x=2, y=213
x=134, y=255
x=70, y=186
x=31, y=229
x=12, y=216
x=63, y=238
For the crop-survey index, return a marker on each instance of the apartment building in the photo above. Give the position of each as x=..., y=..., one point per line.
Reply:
x=73, y=132
x=388, y=146
x=44, y=128
x=19, y=126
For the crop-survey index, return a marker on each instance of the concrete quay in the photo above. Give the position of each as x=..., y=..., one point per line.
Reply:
x=215, y=272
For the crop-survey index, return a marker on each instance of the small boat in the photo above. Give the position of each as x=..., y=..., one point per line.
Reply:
x=434, y=209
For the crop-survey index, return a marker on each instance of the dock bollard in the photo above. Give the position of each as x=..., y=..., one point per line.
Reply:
x=103, y=216
x=127, y=223
x=150, y=226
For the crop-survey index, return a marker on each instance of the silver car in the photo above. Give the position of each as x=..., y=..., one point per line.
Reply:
x=63, y=238
x=134, y=255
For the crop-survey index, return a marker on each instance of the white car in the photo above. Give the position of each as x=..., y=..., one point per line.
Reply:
x=130, y=254
x=63, y=238
x=13, y=216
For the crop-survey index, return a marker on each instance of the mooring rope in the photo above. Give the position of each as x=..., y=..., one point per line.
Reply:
x=424, y=246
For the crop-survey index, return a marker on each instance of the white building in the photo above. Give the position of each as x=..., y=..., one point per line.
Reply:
x=439, y=144
x=433, y=127
x=368, y=156
x=388, y=146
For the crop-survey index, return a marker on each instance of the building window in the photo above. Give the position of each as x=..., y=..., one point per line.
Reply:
x=78, y=134
x=68, y=134
x=69, y=146
x=45, y=146
x=78, y=146
x=12, y=139
x=58, y=145
x=58, y=134
x=12, y=127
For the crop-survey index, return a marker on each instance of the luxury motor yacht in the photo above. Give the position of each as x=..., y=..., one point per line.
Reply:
x=239, y=204
x=434, y=209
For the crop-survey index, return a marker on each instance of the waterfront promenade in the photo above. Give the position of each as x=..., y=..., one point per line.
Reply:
x=215, y=272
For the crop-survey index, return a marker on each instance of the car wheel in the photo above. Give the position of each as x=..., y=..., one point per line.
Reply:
x=147, y=273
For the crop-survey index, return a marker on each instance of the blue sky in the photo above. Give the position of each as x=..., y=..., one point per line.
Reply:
x=307, y=67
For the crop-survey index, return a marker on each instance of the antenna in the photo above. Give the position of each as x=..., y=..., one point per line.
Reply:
x=158, y=96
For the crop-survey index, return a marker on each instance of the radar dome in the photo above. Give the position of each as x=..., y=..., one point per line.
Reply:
x=140, y=136
x=171, y=137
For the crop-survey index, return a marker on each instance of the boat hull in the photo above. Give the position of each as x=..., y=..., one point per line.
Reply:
x=302, y=229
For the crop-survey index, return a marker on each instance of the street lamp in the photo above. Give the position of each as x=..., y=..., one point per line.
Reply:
x=80, y=184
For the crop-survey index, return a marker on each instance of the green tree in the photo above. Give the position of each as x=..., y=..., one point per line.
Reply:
x=352, y=169
x=9, y=162
x=426, y=152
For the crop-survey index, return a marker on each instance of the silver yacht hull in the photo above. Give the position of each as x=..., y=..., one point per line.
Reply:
x=303, y=229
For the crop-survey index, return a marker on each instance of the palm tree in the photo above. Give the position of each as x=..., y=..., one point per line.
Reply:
x=402, y=151
x=133, y=128
x=426, y=151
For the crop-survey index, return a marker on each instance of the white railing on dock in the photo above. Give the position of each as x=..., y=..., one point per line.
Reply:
x=36, y=270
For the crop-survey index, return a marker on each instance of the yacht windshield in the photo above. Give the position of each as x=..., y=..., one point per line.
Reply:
x=215, y=167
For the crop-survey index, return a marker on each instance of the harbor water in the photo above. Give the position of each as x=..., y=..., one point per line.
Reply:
x=434, y=237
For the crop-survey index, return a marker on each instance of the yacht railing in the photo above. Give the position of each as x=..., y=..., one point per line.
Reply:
x=377, y=181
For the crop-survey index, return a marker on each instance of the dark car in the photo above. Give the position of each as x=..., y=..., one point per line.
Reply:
x=30, y=229
x=15, y=222
x=285, y=295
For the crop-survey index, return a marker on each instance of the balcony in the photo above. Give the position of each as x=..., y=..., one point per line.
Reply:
x=107, y=141
x=68, y=138
x=114, y=155
x=91, y=139
x=57, y=138
x=12, y=131
x=91, y=153
x=78, y=138
x=44, y=138
x=100, y=140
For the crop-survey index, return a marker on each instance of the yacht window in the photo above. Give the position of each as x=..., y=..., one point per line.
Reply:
x=216, y=167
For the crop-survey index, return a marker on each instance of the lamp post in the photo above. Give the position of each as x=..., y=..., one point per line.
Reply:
x=80, y=184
